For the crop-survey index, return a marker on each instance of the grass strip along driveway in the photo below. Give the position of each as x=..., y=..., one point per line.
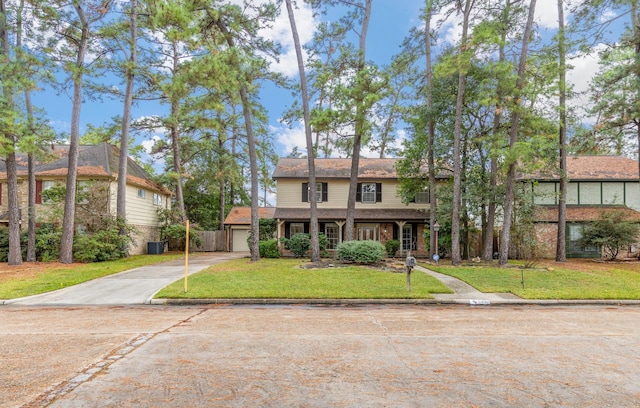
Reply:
x=289, y=279
x=595, y=280
x=41, y=277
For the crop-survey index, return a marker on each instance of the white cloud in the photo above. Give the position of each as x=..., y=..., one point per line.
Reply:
x=291, y=138
x=585, y=67
x=546, y=14
x=280, y=32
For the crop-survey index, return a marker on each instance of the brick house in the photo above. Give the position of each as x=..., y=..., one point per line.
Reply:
x=595, y=184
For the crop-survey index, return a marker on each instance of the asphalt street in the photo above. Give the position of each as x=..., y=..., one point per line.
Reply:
x=301, y=356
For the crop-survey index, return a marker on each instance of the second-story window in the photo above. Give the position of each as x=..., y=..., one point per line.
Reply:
x=369, y=193
x=157, y=199
x=142, y=193
x=322, y=192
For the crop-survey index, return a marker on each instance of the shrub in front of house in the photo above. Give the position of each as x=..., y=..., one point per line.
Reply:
x=360, y=251
x=104, y=245
x=392, y=246
x=269, y=249
x=300, y=243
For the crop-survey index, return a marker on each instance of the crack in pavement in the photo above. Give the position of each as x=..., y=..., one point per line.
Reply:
x=87, y=374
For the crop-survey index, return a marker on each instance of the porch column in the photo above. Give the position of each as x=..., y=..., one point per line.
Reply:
x=279, y=234
x=340, y=225
x=400, y=225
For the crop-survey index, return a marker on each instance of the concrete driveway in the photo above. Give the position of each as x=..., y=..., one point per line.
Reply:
x=134, y=287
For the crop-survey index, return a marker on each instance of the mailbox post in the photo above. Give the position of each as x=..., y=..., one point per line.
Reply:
x=409, y=263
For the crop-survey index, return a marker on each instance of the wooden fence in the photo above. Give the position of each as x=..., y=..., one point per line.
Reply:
x=212, y=241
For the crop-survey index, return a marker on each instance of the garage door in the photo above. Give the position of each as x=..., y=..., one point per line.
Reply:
x=239, y=243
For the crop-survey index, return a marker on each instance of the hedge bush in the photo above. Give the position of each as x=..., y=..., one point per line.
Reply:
x=392, y=246
x=360, y=251
x=269, y=249
x=300, y=243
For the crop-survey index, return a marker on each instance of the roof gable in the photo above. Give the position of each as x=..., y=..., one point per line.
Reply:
x=242, y=215
x=101, y=161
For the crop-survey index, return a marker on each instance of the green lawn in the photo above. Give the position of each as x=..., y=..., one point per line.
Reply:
x=612, y=282
x=285, y=279
x=57, y=276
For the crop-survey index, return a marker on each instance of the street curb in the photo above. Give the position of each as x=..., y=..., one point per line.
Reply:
x=417, y=302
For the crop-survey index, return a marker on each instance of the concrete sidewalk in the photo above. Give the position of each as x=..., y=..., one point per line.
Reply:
x=465, y=293
x=133, y=287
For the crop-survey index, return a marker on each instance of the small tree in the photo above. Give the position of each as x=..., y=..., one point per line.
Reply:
x=611, y=232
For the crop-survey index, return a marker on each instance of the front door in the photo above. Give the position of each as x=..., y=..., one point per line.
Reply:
x=368, y=232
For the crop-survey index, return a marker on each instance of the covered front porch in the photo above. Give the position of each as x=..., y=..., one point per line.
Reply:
x=406, y=226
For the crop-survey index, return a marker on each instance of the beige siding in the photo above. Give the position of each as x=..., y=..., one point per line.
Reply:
x=142, y=211
x=545, y=193
x=612, y=193
x=290, y=195
x=590, y=193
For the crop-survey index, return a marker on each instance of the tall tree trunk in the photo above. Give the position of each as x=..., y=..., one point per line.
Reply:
x=15, y=250
x=489, y=233
x=561, y=245
x=513, y=139
x=121, y=206
x=253, y=156
x=457, y=135
x=431, y=129
x=31, y=177
x=221, y=186
x=359, y=129
x=68, y=220
x=175, y=141
x=313, y=228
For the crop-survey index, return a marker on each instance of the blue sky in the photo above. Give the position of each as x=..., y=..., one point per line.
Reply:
x=391, y=21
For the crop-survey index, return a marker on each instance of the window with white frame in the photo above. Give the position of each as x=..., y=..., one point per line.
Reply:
x=368, y=192
x=407, y=237
x=142, y=193
x=332, y=232
x=157, y=199
x=296, y=228
x=318, y=192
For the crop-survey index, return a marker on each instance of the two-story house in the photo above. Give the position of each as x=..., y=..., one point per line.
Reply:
x=595, y=184
x=380, y=214
x=98, y=171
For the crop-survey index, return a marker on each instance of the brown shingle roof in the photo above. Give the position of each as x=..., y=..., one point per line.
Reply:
x=98, y=161
x=336, y=168
x=582, y=168
x=369, y=168
x=362, y=214
x=242, y=215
